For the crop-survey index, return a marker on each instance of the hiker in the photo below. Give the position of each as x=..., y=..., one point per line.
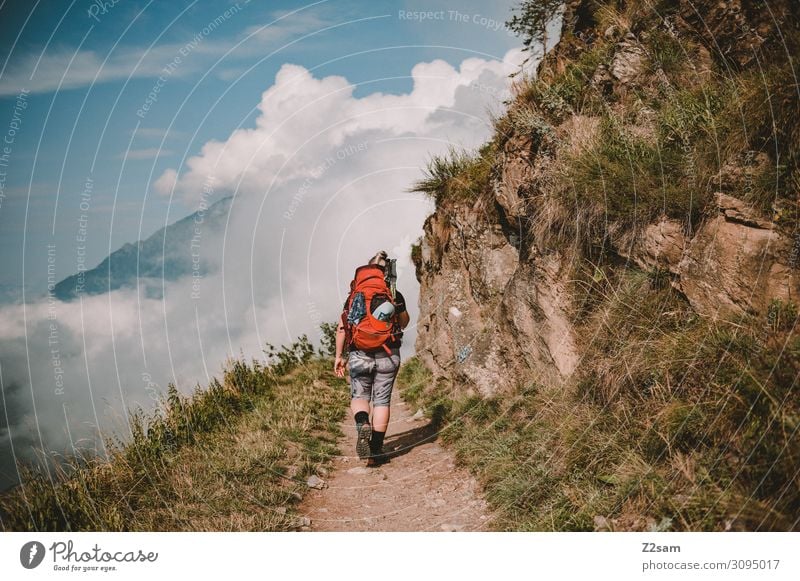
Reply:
x=371, y=328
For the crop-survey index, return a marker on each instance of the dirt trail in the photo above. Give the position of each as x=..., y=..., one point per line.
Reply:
x=419, y=489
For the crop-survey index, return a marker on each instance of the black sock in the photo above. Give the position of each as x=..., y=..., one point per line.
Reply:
x=361, y=419
x=376, y=443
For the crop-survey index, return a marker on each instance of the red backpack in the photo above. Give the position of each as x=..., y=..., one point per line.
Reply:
x=369, y=333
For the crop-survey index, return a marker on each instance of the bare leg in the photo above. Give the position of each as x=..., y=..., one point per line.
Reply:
x=359, y=405
x=380, y=418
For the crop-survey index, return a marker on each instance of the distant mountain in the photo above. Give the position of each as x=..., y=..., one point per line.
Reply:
x=166, y=255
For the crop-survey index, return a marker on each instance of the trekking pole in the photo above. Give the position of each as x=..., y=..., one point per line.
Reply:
x=391, y=275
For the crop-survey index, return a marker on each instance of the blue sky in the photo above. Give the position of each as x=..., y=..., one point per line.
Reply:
x=83, y=129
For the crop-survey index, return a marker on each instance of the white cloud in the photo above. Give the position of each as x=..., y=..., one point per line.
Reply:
x=302, y=119
x=146, y=153
x=165, y=184
x=67, y=68
x=157, y=133
x=320, y=184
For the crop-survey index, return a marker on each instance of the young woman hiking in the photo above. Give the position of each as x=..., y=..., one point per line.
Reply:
x=369, y=334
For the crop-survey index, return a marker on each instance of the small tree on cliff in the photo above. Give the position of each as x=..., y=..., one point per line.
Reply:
x=530, y=21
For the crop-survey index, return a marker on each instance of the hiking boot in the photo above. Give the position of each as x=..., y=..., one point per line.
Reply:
x=377, y=456
x=364, y=436
x=377, y=460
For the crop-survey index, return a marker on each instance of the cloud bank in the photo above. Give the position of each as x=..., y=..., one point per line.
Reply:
x=319, y=184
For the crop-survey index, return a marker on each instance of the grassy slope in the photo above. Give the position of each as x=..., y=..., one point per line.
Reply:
x=235, y=456
x=673, y=422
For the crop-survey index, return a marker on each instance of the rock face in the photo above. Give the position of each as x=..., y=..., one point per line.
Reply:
x=628, y=60
x=464, y=270
x=516, y=173
x=737, y=263
x=660, y=245
x=495, y=301
x=488, y=317
x=737, y=28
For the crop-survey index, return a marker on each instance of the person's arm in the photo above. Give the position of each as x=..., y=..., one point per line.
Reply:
x=402, y=315
x=338, y=362
x=403, y=319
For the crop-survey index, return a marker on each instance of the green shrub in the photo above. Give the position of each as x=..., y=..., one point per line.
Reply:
x=457, y=175
x=666, y=52
x=286, y=358
x=781, y=315
x=416, y=254
x=630, y=180
x=571, y=91
x=531, y=18
x=328, y=339
x=416, y=379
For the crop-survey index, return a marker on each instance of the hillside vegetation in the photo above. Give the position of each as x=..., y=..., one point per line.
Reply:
x=672, y=423
x=235, y=456
x=607, y=362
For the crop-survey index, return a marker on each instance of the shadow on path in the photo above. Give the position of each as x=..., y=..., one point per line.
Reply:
x=402, y=443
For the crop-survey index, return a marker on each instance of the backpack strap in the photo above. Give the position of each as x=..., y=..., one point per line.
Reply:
x=392, y=337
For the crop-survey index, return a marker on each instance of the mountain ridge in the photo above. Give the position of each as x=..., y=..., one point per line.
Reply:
x=165, y=255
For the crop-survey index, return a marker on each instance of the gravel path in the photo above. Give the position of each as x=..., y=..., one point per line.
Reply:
x=419, y=489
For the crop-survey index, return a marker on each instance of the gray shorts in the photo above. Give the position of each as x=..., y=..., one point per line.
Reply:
x=372, y=375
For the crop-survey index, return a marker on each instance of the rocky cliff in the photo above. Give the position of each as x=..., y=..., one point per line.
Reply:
x=609, y=287
x=496, y=267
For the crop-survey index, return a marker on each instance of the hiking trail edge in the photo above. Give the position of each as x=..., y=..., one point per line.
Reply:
x=419, y=489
